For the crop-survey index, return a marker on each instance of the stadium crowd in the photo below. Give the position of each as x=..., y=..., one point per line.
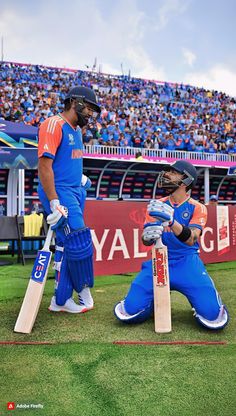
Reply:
x=135, y=112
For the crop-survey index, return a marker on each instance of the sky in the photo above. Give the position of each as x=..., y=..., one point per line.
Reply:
x=183, y=41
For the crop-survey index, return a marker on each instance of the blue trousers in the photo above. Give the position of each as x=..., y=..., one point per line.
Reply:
x=188, y=276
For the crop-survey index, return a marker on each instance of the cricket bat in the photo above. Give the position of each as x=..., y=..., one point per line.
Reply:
x=161, y=288
x=34, y=292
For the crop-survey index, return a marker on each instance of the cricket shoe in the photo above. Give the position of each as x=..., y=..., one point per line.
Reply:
x=85, y=298
x=70, y=306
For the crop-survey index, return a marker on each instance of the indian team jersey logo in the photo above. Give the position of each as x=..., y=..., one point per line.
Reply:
x=186, y=215
x=71, y=139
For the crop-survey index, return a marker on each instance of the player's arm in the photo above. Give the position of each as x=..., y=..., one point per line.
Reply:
x=46, y=177
x=50, y=134
x=58, y=217
x=188, y=235
x=191, y=233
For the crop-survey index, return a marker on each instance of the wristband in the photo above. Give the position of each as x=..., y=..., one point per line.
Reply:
x=184, y=235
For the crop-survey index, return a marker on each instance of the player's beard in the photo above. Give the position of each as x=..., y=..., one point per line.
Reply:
x=82, y=121
x=166, y=184
x=169, y=191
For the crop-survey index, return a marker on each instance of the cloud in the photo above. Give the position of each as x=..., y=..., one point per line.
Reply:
x=125, y=32
x=168, y=10
x=76, y=45
x=142, y=65
x=189, y=56
x=136, y=61
x=219, y=78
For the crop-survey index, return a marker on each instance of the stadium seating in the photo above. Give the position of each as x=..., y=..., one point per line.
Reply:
x=175, y=117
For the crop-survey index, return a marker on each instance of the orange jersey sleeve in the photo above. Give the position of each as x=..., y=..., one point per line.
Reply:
x=50, y=135
x=200, y=214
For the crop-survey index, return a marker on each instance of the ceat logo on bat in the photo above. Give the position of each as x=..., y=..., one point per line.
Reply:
x=10, y=406
x=40, y=266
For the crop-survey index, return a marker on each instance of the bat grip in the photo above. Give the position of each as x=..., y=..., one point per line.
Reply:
x=158, y=243
x=48, y=239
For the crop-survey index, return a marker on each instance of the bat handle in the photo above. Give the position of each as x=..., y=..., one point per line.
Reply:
x=48, y=239
x=158, y=243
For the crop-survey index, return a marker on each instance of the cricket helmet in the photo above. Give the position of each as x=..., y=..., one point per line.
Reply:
x=82, y=96
x=186, y=169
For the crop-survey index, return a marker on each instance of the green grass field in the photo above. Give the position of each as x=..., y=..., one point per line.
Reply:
x=83, y=373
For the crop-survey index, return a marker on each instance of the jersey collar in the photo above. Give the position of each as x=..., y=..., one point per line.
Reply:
x=174, y=205
x=65, y=119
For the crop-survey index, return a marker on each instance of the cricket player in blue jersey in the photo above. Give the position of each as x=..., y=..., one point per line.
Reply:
x=62, y=191
x=179, y=220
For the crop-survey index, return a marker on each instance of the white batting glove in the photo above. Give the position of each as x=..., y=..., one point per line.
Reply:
x=86, y=182
x=152, y=232
x=161, y=211
x=59, y=215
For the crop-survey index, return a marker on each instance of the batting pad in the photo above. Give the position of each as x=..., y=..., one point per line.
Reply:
x=78, y=249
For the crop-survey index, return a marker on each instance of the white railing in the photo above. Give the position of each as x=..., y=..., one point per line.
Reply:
x=157, y=153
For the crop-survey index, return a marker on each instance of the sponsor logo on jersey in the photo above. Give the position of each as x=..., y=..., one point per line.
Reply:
x=71, y=139
x=76, y=154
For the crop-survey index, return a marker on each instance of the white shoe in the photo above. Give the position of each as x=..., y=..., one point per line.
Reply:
x=85, y=298
x=70, y=306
